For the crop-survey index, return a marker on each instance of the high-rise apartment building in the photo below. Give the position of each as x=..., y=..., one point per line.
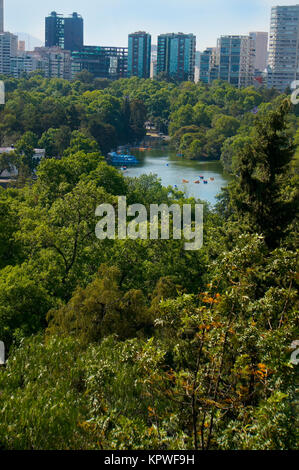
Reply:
x=206, y=62
x=260, y=44
x=8, y=45
x=52, y=62
x=176, y=56
x=139, y=55
x=102, y=62
x=8, y=49
x=283, y=47
x=64, y=32
x=57, y=61
x=25, y=63
x=235, y=59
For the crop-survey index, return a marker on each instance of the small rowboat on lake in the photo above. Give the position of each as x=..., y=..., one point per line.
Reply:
x=197, y=182
x=185, y=181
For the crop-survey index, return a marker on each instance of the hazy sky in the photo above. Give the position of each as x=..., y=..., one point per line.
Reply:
x=108, y=22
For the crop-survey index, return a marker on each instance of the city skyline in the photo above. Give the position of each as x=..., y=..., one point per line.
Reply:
x=110, y=26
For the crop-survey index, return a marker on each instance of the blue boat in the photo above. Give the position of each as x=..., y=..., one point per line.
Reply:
x=122, y=159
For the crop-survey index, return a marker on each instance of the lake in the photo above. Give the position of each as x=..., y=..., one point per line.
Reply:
x=173, y=169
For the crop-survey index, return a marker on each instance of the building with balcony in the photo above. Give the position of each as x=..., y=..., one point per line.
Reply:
x=139, y=55
x=206, y=62
x=235, y=59
x=52, y=62
x=283, y=47
x=176, y=56
x=8, y=49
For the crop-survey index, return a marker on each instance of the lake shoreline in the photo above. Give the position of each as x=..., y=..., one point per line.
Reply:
x=182, y=174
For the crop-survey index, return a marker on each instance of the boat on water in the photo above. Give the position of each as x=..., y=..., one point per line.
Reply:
x=197, y=182
x=141, y=148
x=185, y=181
x=122, y=160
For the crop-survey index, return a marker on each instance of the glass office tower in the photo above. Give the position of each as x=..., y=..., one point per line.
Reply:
x=102, y=62
x=139, y=55
x=236, y=57
x=64, y=32
x=206, y=64
x=176, y=56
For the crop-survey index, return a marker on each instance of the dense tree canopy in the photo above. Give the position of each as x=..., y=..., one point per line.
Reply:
x=139, y=344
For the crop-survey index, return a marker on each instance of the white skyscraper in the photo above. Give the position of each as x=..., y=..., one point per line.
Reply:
x=260, y=41
x=8, y=49
x=284, y=47
x=8, y=45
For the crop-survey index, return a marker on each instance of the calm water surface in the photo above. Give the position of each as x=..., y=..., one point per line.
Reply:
x=172, y=170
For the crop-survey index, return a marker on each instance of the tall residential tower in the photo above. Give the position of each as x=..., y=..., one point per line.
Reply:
x=8, y=45
x=139, y=56
x=206, y=63
x=236, y=56
x=260, y=43
x=176, y=56
x=8, y=49
x=283, y=47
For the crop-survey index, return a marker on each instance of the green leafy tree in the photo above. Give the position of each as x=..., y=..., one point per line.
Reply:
x=81, y=142
x=263, y=167
x=231, y=149
x=102, y=309
x=9, y=248
x=24, y=303
x=55, y=141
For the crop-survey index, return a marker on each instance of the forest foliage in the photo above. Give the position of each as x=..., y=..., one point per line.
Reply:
x=139, y=344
